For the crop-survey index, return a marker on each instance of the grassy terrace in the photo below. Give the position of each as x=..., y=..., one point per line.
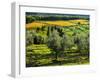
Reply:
x=38, y=49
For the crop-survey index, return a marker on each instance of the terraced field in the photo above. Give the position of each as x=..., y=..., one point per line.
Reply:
x=38, y=49
x=41, y=55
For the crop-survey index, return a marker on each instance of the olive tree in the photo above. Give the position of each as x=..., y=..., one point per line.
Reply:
x=54, y=42
x=82, y=41
x=30, y=35
x=66, y=42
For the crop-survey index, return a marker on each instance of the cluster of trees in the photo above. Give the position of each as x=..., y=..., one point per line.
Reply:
x=33, y=38
x=58, y=40
x=82, y=41
x=30, y=18
x=60, y=44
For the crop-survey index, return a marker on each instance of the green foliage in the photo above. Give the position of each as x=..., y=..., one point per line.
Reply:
x=43, y=28
x=30, y=19
x=82, y=41
x=66, y=42
x=54, y=41
x=49, y=31
x=39, y=39
x=53, y=17
x=29, y=37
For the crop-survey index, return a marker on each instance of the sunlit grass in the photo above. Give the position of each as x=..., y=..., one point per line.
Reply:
x=38, y=49
x=56, y=23
x=60, y=23
x=81, y=21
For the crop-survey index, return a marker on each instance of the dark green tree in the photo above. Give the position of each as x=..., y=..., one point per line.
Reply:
x=49, y=31
x=30, y=19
